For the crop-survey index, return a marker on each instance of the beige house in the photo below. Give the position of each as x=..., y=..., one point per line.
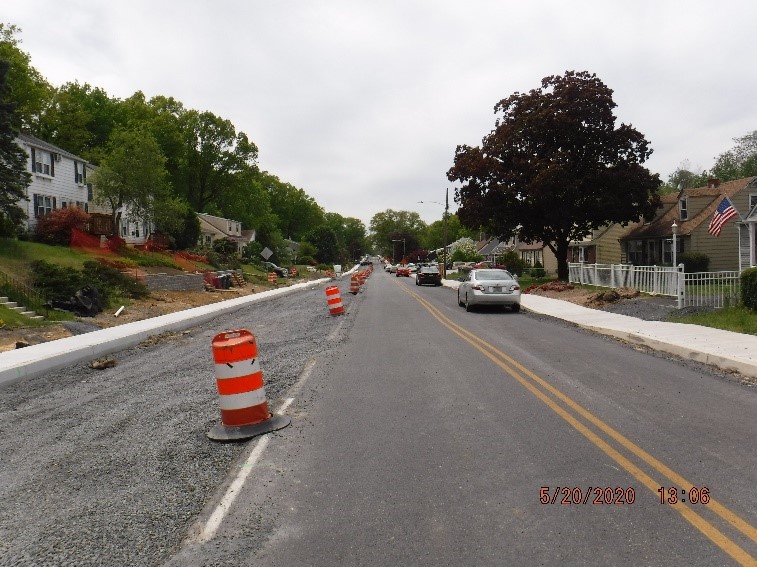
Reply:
x=602, y=246
x=214, y=228
x=537, y=252
x=650, y=243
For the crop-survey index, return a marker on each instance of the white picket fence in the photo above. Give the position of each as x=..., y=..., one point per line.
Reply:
x=711, y=289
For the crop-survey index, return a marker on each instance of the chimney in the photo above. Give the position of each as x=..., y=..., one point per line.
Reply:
x=713, y=183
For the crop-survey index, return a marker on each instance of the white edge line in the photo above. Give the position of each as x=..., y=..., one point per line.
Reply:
x=233, y=491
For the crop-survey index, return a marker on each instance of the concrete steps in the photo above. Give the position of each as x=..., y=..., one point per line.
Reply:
x=14, y=306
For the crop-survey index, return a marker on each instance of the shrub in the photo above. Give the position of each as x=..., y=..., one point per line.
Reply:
x=515, y=264
x=116, y=244
x=61, y=283
x=111, y=283
x=694, y=262
x=537, y=271
x=56, y=226
x=749, y=288
x=57, y=282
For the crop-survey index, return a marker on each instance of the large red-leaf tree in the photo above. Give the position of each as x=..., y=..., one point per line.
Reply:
x=555, y=167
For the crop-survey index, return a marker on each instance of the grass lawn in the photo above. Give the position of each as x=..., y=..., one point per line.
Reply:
x=16, y=255
x=737, y=319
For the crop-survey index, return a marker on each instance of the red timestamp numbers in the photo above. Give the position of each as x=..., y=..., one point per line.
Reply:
x=674, y=495
x=591, y=495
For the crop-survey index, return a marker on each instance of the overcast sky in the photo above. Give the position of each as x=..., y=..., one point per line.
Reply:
x=362, y=103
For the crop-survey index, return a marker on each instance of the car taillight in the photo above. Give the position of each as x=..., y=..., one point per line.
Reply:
x=515, y=287
x=478, y=287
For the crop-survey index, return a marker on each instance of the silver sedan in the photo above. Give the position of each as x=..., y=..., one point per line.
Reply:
x=489, y=287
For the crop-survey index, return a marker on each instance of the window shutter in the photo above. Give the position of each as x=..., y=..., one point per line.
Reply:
x=52, y=165
x=36, y=202
x=34, y=162
x=54, y=205
x=76, y=170
x=84, y=172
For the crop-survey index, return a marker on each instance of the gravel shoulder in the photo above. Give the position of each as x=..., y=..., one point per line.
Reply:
x=112, y=466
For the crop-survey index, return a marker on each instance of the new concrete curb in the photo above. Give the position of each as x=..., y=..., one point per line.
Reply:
x=15, y=365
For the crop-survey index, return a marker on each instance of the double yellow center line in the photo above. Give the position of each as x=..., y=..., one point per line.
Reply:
x=543, y=390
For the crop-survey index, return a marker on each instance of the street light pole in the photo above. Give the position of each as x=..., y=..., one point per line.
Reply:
x=674, y=228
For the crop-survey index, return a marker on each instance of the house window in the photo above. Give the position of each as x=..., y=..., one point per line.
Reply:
x=582, y=254
x=208, y=239
x=635, y=252
x=683, y=208
x=752, y=200
x=80, y=175
x=43, y=162
x=124, y=229
x=43, y=204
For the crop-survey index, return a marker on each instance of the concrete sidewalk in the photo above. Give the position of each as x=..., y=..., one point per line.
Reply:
x=723, y=349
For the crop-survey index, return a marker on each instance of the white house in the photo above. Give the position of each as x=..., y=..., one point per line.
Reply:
x=59, y=179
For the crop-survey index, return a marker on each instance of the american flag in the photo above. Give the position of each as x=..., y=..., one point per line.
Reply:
x=725, y=212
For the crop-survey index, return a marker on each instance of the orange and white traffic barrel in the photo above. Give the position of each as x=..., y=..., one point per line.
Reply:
x=239, y=379
x=272, y=278
x=334, y=300
x=354, y=284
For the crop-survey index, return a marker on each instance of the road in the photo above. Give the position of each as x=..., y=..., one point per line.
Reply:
x=421, y=435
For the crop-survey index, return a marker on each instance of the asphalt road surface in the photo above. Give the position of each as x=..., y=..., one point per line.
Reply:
x=421, y=435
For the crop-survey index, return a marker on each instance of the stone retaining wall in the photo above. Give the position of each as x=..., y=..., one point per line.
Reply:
x=180, y=282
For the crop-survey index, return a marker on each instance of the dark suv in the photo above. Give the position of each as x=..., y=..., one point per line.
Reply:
x=428, y=275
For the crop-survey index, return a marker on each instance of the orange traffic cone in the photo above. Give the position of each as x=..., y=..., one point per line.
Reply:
x=239, y=379
x=334, y=300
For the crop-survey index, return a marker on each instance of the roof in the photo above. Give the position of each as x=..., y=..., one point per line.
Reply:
x=660, y=226
x=41, y=144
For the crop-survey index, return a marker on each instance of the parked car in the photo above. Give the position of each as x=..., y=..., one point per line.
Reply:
x=271, y=267
x=489, y=287
x=428, y=274
x=388, y=267
x=393, y=268
x=403, y=271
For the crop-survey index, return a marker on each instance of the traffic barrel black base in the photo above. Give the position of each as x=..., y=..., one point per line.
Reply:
x=223, y=432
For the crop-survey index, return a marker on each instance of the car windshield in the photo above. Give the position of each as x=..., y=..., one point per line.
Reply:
x=493, y=275
x=429, y=269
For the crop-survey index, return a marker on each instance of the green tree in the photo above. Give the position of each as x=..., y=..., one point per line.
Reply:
x=325, y=241
x=14, y=178
x=215, y=152
x=738, y=162
x=81, y=119
x=683, y=177
x=433, y=236
x=297, y=212
x=131, y=177
x=463, y=250
x=175, y=218
x=390, y=225
x=27, y=88
x=555, y=167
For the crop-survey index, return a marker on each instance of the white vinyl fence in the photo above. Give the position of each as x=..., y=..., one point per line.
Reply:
x=711, y=289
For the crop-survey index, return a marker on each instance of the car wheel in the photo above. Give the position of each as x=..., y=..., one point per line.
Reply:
x=468, y=306
x=459, y=303
x=515, y=307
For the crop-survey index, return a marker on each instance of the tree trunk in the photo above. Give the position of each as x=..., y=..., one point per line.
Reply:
x=561, y=252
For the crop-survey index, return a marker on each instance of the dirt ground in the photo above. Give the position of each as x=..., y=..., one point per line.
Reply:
x=159, y=303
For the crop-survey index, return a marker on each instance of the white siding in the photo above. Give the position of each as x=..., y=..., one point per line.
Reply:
x=60, y=183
